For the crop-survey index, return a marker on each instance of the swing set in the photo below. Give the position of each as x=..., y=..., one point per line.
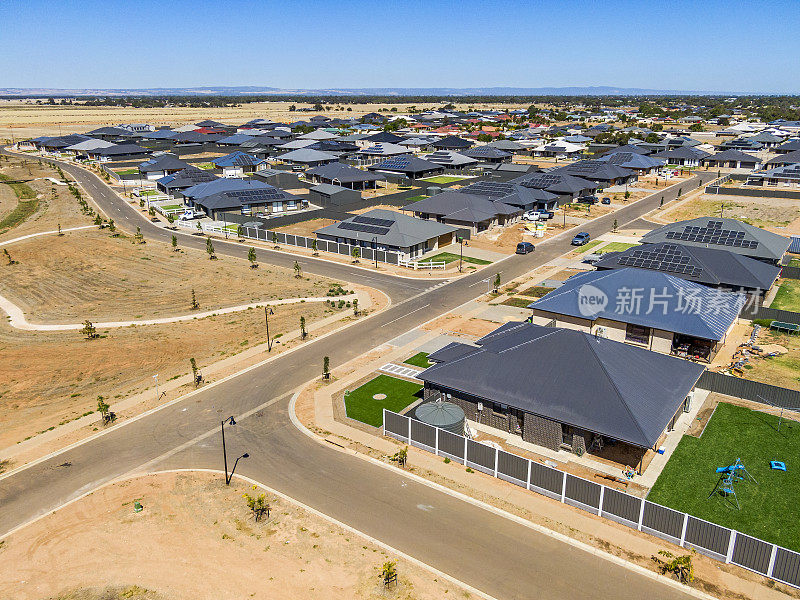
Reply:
x=728, y=477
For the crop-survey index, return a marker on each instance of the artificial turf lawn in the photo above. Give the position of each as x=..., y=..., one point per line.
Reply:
x=788, y=296
x=449, y=257
x=588, y=246
x=420, y=359
x=769, y=509
x=361, y=406
x=442, y=179
x=615, y=247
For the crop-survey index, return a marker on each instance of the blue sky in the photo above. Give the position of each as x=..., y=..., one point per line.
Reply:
x=717, y=46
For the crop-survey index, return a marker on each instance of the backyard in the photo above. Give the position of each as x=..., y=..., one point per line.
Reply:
x=769, y=508
x=788, y=296
x=366, y=403
x=782, y=370
x=440, y=179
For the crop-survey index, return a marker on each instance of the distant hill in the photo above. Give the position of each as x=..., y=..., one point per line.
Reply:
x=269, y=91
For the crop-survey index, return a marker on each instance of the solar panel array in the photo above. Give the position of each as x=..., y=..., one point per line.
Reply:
x=668, y=258
x=489, y=188
x=440, y=156
x=262, y=195
x=373, y=229
x=373, y=221
x=399, y=162
x=542, y=181
x=713, y=233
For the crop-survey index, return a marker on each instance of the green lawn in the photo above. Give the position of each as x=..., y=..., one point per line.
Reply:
x=449, y=257
x=443, y=179
x=126, y=171
x=361, y=406
x=148, y=192
x=536, y=291
x=171, y=207
x=788, y=296
x=207, y=166
x=420, y=359
x=588, y=246
x=769, y=509
x=417, y=198
x=615, y=247
x=795, y=262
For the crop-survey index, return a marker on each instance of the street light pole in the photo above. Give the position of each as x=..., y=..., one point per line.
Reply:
x=375, y=250
x=267, y=313
x=230, y=421
x=461, y=257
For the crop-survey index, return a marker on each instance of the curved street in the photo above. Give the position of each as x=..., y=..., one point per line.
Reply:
x=495, y=555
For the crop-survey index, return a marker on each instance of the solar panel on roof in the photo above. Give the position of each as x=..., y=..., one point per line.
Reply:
x=363, y=228
x=373, y=221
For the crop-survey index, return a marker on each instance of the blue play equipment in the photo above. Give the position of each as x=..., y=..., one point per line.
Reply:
x=778, y=465
x=728, y=476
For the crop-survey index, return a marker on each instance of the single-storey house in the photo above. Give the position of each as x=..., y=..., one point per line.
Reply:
x=684, y=156
x=786, y=175
x=408, y=166
x=468, y=211
x=237, y=163
x=390, y=231
x=161, y=166
x=307, y=157
x=119, y=152
x=649, y=309
x=174, y=185
x=488, y=154
x=724, y=233
x=326, y=194
x=524, y=198
x=451, y=160
x=254, y=198
x=712, y=267
x=452, y=142
x=514, y=379
x=602, y=172
x=731, y=159
x=82, y=148
x=640, y=163
x=337, y=173
x=567, y=187
x=784, y=160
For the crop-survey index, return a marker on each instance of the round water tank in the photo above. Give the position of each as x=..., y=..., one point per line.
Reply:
x=433, y=190
x=444, y=415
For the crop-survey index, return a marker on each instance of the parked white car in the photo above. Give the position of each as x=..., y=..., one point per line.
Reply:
x=188, y=215
x=532, y=215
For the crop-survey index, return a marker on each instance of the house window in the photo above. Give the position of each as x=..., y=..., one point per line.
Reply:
x=637, y=334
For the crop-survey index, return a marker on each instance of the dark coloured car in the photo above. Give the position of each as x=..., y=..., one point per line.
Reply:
x=525, y=248
x=605, y=200
x=580, y=239
x=588, y=199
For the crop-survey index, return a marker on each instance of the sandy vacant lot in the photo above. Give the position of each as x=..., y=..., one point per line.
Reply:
x=89, y=274
x=306, y=228
x=47, y=378
x=55, y=202
x=758, y=211
x=196, y=538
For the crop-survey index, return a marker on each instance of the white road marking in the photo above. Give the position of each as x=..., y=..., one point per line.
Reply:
x=405, y=315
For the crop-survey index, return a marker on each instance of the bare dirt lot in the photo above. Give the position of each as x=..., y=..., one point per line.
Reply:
x=196, y=538
x=89, y=274
x=47, y=378
x=758, y=211
x=306, y=228
x=55, y=204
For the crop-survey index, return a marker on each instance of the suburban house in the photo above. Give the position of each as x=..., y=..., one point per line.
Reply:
x=713, y=267
x=787, y=175
x=602, y=172
x=558, y=150
x=524, y=198
x=119, y=152
x=488, y=154
x=782, y=160
x=724, y=233
x=327, y=194
x=337, y=173
x=81, y=149
x=649, y=309
x=237, y=163
x=633, y=161
x=390, y=231
x=468, y=211
x=514, y=379
x=684, y=156
x=307, y=157
x=407, y=166
x=451, y=160
x=731, y=159
x=452, y=142
x=566, y=187
x=252, y=198
x=161, y=166
x=174, y=185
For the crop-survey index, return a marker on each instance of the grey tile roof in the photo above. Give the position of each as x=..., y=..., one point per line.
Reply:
x=724, y=233
x=595, y=170
x=165, y=162
x=450, y=158
x=188, y=177
x=307, y=156
x=731, y=155
x=391, y=228
x=452, y=142
x=718, y=309
x=683, y=152
x=709, y=266
x=238, y=159
x=631, y=160
x=459, y=206
x=343, y=173
x=623, y=392
x=486, y=152
x=121, y=149
x=406, y=164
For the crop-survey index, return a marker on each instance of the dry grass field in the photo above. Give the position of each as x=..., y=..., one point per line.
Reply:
x=54, y=203
x=47, y=378
x=25, y=119
x=89, y=274
x=758, y=211
x=192, y=534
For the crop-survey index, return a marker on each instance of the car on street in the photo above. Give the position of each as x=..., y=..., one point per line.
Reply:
x=580, y=239
x=525, y=248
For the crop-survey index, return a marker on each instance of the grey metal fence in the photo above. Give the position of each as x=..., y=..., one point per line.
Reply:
x=774, y=314
x=367, y=254
x=749, y=390
x=720, y=543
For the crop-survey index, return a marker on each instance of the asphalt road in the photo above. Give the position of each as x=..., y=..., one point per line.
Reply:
x=485, y=550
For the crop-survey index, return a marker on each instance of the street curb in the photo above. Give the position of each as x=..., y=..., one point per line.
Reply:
x=500, y=512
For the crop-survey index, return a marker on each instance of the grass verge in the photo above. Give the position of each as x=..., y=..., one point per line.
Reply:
x=420, y=359
x=361, y=405
x=449, y=257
